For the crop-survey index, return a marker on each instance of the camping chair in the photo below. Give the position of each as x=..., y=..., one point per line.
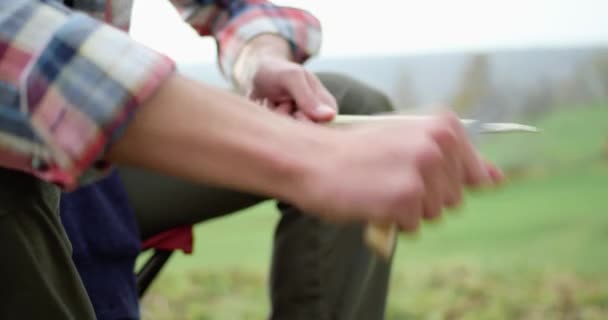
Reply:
x=163, y=245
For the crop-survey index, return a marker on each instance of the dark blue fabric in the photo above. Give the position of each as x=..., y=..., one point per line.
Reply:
x=105, y=241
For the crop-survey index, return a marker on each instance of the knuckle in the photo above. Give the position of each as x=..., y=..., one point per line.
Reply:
x=410, y=192
x=291, y=74
x=428, y=156
x=450, y=119
x=459, y=193
x=432, y=212
x=456, y=196
x=295, y=71
x=404, y=194
x=445, y=125
x=445, y=136
x=283, y=77
x=454, y=200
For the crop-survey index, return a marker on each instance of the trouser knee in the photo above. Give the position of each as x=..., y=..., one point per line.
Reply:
x=354, y=96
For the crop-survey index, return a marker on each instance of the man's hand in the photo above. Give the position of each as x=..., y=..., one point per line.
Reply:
x=398, y=172
x=393, y=172
x=265, y=72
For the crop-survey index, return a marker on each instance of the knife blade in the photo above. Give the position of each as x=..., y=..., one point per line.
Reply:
x=475, y=125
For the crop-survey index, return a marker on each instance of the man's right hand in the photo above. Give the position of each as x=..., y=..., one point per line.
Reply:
x=398, y=172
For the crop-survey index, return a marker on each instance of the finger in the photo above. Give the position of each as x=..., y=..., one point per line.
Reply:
x=257, y=102
x=267, y=104
x=409, y=220
x=282, y=99
x=451, y=187
x=285, y=108
x=434, y=182
x=409, y=210
x=454, y=187
x=475, y=172
x=306, y=99
x=496, y=174
x=322, y=92
x=300, y=116
x=250, y=95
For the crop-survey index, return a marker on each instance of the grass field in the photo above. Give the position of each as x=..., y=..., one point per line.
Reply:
x=534, y=249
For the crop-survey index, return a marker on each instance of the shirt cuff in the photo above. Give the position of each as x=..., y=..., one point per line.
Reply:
x=299, y=28
x=82, y=90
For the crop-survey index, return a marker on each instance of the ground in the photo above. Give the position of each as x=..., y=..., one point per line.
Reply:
x=533, y=249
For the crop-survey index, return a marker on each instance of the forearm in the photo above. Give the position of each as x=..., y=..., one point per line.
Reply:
x=207, y=135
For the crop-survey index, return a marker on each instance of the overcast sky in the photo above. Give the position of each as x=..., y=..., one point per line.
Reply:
x=389, y=27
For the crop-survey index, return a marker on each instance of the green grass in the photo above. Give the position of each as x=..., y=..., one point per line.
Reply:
x=535, y=249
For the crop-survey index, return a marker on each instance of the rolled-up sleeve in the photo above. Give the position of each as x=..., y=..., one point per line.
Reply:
x=69, y=85
x=234, y=22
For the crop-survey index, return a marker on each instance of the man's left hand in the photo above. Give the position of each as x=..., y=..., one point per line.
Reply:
x=265, y=72
x=290, y=89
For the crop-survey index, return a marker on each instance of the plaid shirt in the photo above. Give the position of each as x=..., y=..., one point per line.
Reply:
x=69, y=83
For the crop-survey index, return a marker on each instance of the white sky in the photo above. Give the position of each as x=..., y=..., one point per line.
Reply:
x=388, y=27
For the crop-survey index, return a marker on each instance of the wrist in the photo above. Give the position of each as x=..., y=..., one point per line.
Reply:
x=253, y=54
x=239, y=146
x=298, y=163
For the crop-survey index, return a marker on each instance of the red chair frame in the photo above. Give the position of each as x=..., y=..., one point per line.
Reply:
x=164, y=245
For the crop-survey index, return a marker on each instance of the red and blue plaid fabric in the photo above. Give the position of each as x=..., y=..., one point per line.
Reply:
x=70, y=83
x=234, y=22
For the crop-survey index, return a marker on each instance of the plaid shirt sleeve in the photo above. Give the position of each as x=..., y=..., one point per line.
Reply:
x=68, y=86
x=234, y=22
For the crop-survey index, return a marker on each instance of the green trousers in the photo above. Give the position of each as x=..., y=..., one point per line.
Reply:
x=319, y=270
x=39, y=280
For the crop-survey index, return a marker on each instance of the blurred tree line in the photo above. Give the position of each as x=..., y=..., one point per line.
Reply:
x=478, y=96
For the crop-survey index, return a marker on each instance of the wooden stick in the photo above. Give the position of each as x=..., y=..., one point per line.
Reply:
x=381, y=239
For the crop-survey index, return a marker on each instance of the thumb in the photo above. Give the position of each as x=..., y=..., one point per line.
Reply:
x=307, y=100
